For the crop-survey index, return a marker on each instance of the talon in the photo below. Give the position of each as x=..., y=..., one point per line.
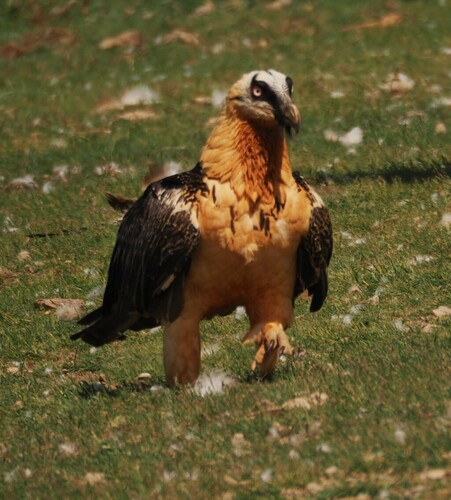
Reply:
x=273, y=343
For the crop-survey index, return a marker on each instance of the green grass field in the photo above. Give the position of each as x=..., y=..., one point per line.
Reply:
x=364, y=410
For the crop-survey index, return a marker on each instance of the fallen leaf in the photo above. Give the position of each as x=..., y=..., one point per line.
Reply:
x=440, y=128
x=53, y=303
x=300, y=402
x=278, y=4
x=68, y=449
x=130, y=39
x=34, y=41
x=391, y=19
x=420, y=259
x=240, y=445
x=441, y=311
x=205, y=9
x=306, y=402
x=23, y=255
x=112, y=169
x=138, y=114
x=235, y=482
x=445, y=221
x=6, y=274
x=60, y=172
x=179, y=35
x=26, y=182
x=92, y=478
x=428, y=327
x=65, y=309
x=441, y=101
x=134, y=96
x=332, y=470
x=64, y=9
x=433, y=475
x=278, y=431
x=266, y=475
x=397, y=83
x=144, y=376
x=202, y=99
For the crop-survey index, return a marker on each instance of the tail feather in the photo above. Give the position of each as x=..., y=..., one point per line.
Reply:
x=118, y=202
x=92, y=317
x=105, y=329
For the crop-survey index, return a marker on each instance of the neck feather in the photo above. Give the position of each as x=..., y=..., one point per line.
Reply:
x=254, y=160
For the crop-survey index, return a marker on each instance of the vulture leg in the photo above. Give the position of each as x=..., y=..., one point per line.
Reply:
x=181, y=348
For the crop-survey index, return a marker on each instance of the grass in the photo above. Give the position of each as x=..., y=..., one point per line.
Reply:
x=78, y=423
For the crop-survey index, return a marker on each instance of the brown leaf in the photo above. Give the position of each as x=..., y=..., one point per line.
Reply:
x=300, y=402
x=179, y=35
x=65, y=309
x=54, y=303
x=34, y=41
x=133, y=96
x=130, y=38
x=278, y=4
x=235, y=482
x=21, y=183
x=92, y=478
x=23, y=255
x=434, y=475
x=6, y=275
x=138, y=114
x=205, y=9
x=391, y=19
x=110, y=104
x=64, y=9
x=306, y=402
x=441, y=311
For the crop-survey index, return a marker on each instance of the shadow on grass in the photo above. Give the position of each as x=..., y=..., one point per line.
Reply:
x=414, y=171
x=89, y=390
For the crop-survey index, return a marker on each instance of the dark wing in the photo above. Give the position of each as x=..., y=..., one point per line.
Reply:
x=150, y=261
x=314, y=251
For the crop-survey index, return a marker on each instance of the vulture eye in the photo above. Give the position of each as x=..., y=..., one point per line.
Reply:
x=256, y=91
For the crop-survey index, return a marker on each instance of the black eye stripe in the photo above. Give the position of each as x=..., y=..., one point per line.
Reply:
x=267, y=93
x=289, y=84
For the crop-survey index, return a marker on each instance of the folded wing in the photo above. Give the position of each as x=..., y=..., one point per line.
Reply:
x=314, y=251
x=150, y=261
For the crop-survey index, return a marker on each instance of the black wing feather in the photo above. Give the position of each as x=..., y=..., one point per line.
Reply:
x=150, y=260
x=314, y=252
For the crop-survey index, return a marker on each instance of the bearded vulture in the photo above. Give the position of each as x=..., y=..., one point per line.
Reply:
x=239, y=229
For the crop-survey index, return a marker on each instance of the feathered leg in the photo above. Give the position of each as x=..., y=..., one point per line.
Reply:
x=182, y=351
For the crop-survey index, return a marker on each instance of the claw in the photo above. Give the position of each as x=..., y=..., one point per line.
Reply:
x=273, y=342
x=271, y=346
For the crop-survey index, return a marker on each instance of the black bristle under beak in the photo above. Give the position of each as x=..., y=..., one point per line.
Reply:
x=290, y=118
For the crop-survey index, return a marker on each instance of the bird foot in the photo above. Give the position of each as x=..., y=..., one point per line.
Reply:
x=273, y=342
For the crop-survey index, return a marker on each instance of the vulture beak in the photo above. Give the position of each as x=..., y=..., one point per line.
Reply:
x=289, y=116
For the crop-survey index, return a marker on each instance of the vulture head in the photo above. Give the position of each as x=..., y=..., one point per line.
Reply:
x=263, y=98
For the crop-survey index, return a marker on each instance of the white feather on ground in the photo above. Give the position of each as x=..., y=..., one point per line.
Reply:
x=213, y=383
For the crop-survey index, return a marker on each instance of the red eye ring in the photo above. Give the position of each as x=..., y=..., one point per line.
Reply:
x=257, y=91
